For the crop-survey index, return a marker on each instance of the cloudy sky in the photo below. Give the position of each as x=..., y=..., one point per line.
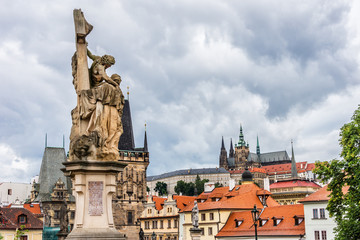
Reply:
x=196, y=71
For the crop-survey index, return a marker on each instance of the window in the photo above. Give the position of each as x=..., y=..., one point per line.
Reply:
x=161, y=224
x=262, y=222
x=238, y=222
x=149, y=211
x=147, y=225
x=203, y=217
x=130, y=218
x=317, y=235
x=276, y=221
x=210, y=231
x=322, y=212
x=24, y=237
x=72, y=214
x=56, y=214
x=202, y=231
x=211, y=216
x=9, y=191
x=323, y=235
x=315, y=213
x=154, y=223
x=175, y=223
x=298, y=220
x=169, y=223
x=22, y=219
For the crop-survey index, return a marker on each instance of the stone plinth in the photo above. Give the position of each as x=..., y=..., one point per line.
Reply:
x=195, y=233
x=94, y=183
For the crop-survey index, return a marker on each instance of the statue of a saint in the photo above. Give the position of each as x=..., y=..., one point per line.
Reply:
x=64, y=218
x=141, y=234
x=195, y=215
x=97, y=125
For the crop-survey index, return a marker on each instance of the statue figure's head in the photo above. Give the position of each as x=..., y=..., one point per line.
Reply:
x=107, y=60
x=116, y=78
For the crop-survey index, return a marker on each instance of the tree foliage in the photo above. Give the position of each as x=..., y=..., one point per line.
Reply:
x=217, y=184
x=345, y=173
x=189, y=188
x=161, y=188
x=20, y=232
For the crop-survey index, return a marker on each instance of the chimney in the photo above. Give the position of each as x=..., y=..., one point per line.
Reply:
x=209, y=186
x=231, y=184
x=267, y=184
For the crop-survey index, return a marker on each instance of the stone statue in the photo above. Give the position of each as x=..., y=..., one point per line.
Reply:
x=195, y=215
x=64, y=218
x=96, y=120
x=141, y=234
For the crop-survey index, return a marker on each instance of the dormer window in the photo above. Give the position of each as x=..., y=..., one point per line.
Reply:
x=277, y=220
x=262, y=221
x=298, y=219
x=238, y=222
x=22, y=218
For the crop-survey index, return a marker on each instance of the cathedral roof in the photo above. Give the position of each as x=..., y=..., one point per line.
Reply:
x=50, y=172
x=198, y=171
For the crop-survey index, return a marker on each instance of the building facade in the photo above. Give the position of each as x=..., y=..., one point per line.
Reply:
x=216, y=175
x=11, y=192
x=161, y=216
x=130, y=196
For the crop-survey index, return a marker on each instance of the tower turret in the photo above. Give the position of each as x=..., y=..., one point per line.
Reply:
x=223, y=155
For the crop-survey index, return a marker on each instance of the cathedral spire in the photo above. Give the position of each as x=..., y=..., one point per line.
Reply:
x=257, y=146
x=222, y=143
x=293, y=163
x=231, y=151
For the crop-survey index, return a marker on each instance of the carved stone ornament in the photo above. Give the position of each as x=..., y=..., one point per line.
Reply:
x=96, y=120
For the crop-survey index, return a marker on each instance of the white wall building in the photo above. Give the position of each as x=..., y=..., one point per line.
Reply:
x=318, y=224
x=10, y=192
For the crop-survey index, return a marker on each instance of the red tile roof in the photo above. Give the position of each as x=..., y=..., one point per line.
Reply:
x=286, y=227
x=320, y=195
x=11, y=215
x=243, y=197
x=33, y=207
x=294, y=183
x=250, y=169
x=285, y=168
x=159, y=202
x=183, y=201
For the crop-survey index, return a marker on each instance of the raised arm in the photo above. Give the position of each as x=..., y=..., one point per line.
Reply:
x=90, y=55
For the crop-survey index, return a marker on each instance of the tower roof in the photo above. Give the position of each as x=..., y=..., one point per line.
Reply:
x=50, y=172
x=222, y=143
x=126, y=141
x=293, y=163
x=145, y=143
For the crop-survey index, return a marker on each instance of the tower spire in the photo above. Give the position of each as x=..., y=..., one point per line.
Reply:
x=293, y=162
x=257, y=145
x=222, y=143
x=145, y=141
x=45, y=140
x=231, y=151
x=241, y=137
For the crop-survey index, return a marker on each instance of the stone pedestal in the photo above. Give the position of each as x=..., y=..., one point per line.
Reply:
x=195, y=233
x=61, y=235
x=94, y=183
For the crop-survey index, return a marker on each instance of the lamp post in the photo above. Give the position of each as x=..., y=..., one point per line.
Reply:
x=255, y=216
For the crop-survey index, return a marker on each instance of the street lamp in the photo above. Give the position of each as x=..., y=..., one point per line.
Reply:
x=255, y=216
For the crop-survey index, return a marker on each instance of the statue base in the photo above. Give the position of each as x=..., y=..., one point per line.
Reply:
x=94, y=183
x=62, y=235
x=195, y=233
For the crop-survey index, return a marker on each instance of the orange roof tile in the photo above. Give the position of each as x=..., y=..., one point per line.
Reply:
x=11, y=216
x=320, y=195
x=159, y=202
x=244, y=197
x=183, y=201
x=294, y=183
x=33, y=207
x=286, y=168
x=286, y=226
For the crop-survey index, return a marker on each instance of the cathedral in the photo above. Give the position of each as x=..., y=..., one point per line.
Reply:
x=240, y=156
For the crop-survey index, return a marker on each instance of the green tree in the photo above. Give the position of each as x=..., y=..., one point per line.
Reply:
x=20, y=232
x=199, y=184
x=217, y=184
x=147, y=189
x=184, y=188
x=161, y=188
x=345, y=207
